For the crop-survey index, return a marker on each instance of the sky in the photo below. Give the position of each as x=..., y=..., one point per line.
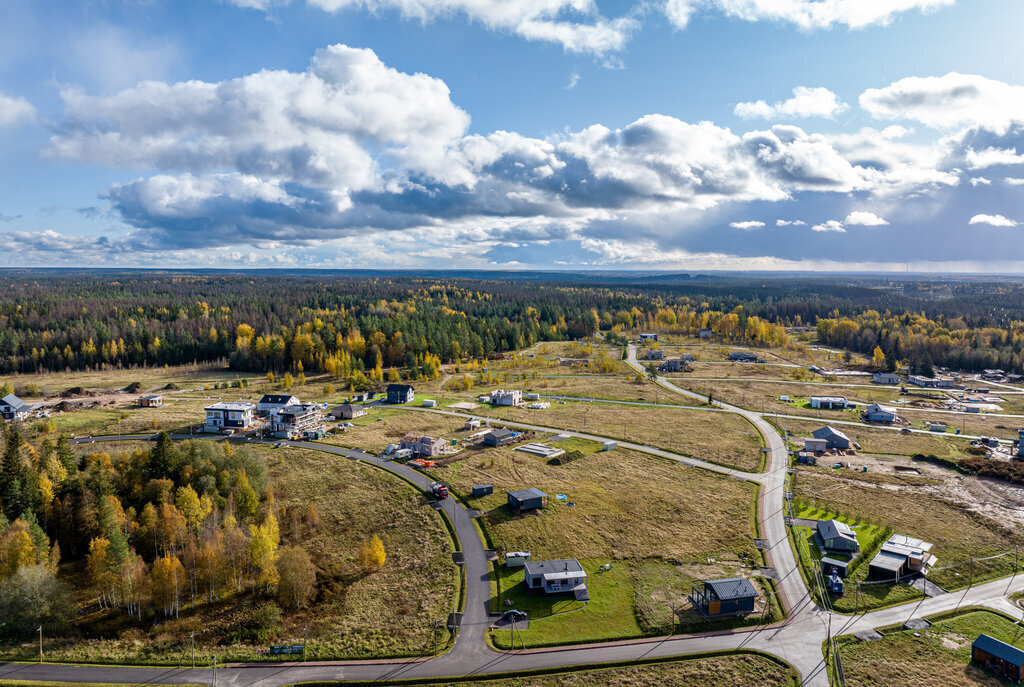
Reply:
x=837, y=135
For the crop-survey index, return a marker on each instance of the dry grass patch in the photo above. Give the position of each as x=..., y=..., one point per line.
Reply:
x=682, y=513
x=735, y=671
x=937, y=657
x=382, y=426
x=716, y=437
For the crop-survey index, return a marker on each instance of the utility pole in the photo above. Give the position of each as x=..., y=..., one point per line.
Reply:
x=304, y=629
x=214, y=671
x=193, y=638
x=40, y=643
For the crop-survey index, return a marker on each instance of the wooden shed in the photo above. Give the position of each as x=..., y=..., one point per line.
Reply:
x=1005, y=660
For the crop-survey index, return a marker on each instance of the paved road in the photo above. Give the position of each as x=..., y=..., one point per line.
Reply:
x=798, y=640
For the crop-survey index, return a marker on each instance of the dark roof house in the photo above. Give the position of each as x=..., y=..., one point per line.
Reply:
x=832, y=436
x=730, y=596
x=499, y=437
x=527, y=499
x=401, y=393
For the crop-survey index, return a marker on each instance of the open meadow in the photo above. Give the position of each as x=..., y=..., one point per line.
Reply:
x=937, y=657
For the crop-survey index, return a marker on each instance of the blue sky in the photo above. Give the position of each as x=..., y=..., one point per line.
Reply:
x=655, y=134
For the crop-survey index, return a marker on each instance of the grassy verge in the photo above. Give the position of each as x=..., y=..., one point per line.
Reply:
x=735, y=668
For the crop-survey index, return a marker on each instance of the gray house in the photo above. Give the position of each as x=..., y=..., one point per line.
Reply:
x=720, y=598
x=885, y=378
x=499, y=437
x=743, y=357
x=880, y=413
x=833, y=437
x=837, y=536
x=13, y=408
x=564, y=576
x=346, y=411
x=527, y=499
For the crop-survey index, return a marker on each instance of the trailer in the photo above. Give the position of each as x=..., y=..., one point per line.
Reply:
x=439, y=490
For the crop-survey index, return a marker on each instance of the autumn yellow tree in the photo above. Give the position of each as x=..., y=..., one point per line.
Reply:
x=168, y=577
x=372, y=554
x=878, y=358
x=263, y=543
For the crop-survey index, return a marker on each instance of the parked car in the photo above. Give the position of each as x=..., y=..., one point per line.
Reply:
x=514, y=615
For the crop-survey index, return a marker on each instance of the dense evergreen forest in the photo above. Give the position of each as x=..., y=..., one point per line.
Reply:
x=348, y=325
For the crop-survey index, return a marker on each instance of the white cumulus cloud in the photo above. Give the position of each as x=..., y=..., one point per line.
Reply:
x=994, y=220
x=790, y=223
x=14, y=110
x=748, y=224
x=860, y=218
x=830, y=225
x=806, y=102
x=947, y=101
x=1013, y=181
x=980, y=181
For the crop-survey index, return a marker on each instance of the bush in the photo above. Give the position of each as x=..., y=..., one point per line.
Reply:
x=33, y=597
x=267, y=621
x=566, y=458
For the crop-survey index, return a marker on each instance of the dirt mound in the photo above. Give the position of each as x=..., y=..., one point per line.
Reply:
x=76, y=391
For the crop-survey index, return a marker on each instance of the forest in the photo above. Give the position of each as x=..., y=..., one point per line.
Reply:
x=156, y=530
x=356, y=327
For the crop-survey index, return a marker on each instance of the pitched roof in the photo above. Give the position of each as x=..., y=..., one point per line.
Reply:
x=832, y=529
x=277, y=398
x=400, y=388
x=829, y=431
x=994, y=647
x=14, y=402
x=731, y=588
x=879, y=408
x=501, y=432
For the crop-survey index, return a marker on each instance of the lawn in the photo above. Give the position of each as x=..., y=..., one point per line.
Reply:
x=870, y=537
x=959, y=535
x=715, y=437
x=877, y=440
x=937, y=657
x=386, y=613
x=744, y=670
x=631, y=598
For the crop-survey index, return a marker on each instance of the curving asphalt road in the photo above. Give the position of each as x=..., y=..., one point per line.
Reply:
x=798, y=640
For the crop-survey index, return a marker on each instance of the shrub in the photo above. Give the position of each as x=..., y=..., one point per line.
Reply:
x=566, y=458
x=267, y=621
